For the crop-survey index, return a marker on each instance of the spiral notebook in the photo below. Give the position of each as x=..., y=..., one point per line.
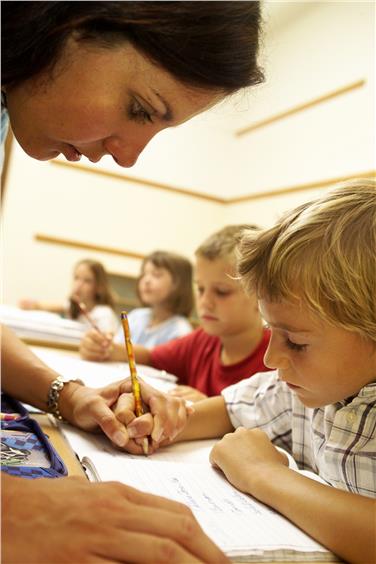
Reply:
x=245, y=529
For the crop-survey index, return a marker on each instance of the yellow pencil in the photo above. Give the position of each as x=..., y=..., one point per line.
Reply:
x=136, y=389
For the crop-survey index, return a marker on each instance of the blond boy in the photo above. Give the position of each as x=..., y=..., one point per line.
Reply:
x=315, y=276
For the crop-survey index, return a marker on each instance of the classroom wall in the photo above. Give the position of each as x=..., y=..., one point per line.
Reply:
x=73, y=205
x=327, y=46
x=309, y=49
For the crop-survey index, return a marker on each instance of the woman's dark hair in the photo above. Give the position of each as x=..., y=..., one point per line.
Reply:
x=180, y=301
x=204, y=44
x=103, y=292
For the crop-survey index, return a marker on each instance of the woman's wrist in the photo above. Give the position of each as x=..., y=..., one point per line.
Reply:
x=68, y=400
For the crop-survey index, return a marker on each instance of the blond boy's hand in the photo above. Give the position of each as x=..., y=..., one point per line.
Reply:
x=165, y=417
x=188, y=393
x=96, y=347
x=243, y=455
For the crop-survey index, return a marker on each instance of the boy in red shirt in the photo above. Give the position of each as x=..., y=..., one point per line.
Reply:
x=231, y=341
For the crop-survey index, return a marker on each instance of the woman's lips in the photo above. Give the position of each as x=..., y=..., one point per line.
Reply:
x=71, y=153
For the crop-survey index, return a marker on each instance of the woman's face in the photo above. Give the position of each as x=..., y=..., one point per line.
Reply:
x=100, y=101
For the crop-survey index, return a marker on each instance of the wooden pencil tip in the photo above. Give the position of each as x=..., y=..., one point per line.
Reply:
x=145, y=446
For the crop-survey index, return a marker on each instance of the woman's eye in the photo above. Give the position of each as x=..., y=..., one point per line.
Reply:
x=294, y=346
x=138, y=113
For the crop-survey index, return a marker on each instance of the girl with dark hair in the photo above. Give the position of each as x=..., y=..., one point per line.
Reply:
x=165, y=288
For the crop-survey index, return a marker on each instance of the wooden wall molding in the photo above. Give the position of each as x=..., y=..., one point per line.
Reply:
x=223, y=201
x=143, y=182
x=300, y=108
x=88, y=246
x=42, y=238
x=300, y=187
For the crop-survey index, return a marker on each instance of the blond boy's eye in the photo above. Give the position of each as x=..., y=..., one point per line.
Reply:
x=223, y=292
x=295, y=346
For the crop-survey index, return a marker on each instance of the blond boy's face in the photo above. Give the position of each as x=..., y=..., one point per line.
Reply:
x=320, y=363
x=222, y=306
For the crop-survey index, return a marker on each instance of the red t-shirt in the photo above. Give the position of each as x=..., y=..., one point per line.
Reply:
x=195, y=360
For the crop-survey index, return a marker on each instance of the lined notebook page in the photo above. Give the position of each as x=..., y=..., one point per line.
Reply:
x=239, y=524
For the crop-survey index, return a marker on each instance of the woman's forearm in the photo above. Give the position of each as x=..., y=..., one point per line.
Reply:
x=24, y=375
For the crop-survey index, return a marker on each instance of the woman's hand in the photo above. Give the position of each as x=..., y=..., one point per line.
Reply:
x=243, y=454
x=72, y=520
x=166, y=418
x=188, y=393
x=92, y=409
x=96, y=347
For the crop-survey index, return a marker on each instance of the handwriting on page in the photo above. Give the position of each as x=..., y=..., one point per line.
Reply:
x=232, y=519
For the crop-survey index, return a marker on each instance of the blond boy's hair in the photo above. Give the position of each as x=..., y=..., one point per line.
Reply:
x=223, y=243
x=324, y=253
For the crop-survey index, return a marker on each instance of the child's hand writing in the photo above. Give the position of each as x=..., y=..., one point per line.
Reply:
x=243, y=455
x=95, y=346
x=167, y=417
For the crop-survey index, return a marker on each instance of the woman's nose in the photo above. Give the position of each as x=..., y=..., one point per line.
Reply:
x=126, y=153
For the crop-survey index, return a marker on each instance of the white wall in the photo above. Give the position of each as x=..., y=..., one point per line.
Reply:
x=73, y=205
x=330, y=45
x=310, y=49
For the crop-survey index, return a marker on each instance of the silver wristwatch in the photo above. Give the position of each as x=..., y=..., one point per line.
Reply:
x=54, y=394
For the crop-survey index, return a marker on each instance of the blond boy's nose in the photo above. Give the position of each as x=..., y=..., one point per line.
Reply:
x=274, y=358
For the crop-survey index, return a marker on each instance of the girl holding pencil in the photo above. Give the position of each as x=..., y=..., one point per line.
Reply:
x=91, y=301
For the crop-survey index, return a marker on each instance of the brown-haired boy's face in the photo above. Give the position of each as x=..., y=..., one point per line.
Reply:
x=320, y=363
x=222, y=305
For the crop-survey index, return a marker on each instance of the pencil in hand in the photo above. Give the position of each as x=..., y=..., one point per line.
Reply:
x=83, y=309
x=136, y=389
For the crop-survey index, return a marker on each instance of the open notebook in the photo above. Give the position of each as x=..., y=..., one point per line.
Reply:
x=245, y=529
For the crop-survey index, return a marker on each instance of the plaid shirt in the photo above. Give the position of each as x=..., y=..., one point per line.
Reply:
x=337, y=442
